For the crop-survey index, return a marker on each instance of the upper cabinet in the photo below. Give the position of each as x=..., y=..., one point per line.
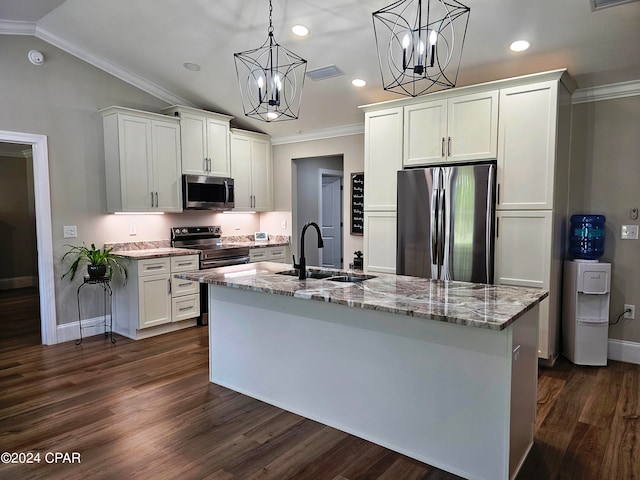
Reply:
x=204, y=141
x=382, y=158
x=461, y=128
x=527, y=148
x=142, y=161
x=252, y=171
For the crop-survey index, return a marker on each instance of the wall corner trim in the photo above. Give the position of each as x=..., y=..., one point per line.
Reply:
x=606, y=92
x=9, y=27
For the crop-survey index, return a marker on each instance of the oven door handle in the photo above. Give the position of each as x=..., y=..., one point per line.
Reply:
x=223, y=262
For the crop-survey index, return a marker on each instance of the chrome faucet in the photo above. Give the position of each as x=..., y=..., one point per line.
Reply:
x=302, y=266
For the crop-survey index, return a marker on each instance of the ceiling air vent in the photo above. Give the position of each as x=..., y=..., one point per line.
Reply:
x=600, y=4
x=326, y=72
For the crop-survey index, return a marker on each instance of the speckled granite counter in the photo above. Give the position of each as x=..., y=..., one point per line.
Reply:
x=487, y=306
x=154, y=253
x=162, y=248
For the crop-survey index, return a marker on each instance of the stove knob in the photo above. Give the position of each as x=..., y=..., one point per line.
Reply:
x=184, y=230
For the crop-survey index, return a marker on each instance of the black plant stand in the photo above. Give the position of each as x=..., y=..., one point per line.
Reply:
x=105, y=284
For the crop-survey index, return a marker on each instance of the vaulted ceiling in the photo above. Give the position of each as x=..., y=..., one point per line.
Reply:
x=146, y=42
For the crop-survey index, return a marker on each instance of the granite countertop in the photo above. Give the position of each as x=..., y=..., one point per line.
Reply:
x=142, y=254
x=162, y=248
x=485, y=306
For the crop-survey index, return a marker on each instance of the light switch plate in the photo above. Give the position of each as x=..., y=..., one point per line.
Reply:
x=629, y=232
x=70, y=231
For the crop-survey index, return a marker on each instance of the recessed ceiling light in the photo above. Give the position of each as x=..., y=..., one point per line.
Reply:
x=357, y=82
x=300, y=30
x=520, y=46
x=193, y=67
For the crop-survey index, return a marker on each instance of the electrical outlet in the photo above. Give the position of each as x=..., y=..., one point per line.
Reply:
x=284, y=224
x=632, y=314
x=133, y=230
x=629, y=232
x=70, y=231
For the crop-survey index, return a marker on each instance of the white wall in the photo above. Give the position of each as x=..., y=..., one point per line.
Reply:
x=605, y=178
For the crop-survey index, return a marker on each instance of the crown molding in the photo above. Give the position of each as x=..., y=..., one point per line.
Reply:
x=9, y=27
x=342, y=131
x=110, y=67
x=606, y=92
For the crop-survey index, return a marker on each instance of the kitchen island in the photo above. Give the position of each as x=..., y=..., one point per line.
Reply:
x=443, y=372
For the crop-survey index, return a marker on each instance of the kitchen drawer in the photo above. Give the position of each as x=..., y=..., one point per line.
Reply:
x=187, y=306
x=268, y=254
x=154, y=266
x=181, y=287
x=185, y=263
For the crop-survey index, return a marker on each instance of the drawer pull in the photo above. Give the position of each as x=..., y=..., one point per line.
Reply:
x=184, y=309
x=184, y=284
x=155, y=267
x=185, y=263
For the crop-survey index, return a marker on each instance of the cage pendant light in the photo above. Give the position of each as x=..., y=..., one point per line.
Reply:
x=420, y=44
x=271, y=80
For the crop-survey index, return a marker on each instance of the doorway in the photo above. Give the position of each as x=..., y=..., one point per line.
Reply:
x=44, y=241
x=307, y=206
x=330, y=215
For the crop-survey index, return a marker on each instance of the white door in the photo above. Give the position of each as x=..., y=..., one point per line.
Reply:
x=331, y=221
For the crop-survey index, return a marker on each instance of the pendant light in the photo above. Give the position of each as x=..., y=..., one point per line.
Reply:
x=271, y=80
x=419, y=46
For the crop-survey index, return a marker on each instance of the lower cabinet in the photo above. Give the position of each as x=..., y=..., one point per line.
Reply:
x=269, y=254
x=528, y=254
x=154, y=301
x=380, y=242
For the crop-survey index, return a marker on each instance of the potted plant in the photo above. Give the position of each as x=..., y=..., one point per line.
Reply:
x=98, y=261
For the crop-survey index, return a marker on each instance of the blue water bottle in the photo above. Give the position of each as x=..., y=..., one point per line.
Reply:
x=586, y=241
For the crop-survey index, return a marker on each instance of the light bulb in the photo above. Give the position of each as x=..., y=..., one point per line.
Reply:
x=433, y=37
x=406, y=41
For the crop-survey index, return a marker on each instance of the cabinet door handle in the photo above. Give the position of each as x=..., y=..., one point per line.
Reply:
x=443, y=146
x=449, y=147
x=157, y=200
x=209, y=165
x=498, y=194
x=169, y=285
x=151, y=199
x=497, y=227
x=204, y=164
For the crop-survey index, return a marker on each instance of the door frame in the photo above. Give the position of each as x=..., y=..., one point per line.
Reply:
x=324, y=172
x=44, y=240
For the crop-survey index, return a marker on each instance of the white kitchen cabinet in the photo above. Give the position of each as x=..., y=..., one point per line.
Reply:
x=382, y=158
x=527, y=146
x=154, y=301
x=269, y=254
x=142, y=161
x=252, y=171
x=380, y=242
x=523, y=248
x=460, y=128
x=204, y=140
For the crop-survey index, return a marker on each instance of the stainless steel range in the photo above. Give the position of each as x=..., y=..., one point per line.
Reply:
x=213, y=253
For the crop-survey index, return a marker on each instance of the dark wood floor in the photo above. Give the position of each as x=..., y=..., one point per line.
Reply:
x=145, y=409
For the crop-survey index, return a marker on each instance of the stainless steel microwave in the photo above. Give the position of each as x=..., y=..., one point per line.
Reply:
x=200, y=192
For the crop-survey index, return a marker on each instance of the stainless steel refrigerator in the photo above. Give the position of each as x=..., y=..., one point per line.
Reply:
x=445, y=222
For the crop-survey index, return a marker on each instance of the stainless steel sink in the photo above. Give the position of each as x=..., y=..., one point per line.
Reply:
x=325, y=275
x=310, y=273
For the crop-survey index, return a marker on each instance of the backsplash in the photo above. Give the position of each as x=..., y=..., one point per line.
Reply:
x=128, y=246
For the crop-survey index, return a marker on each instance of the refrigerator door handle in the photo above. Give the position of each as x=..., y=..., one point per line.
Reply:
x=434, y=222
x=444, y=233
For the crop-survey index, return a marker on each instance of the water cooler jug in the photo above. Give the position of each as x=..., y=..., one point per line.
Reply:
x=585, y=316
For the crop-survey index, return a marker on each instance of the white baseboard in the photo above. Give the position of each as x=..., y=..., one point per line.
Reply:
x=18, y=282
x=624, y=351
x=71, y=331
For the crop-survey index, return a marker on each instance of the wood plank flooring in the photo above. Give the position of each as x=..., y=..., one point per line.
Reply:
x=145, y=409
